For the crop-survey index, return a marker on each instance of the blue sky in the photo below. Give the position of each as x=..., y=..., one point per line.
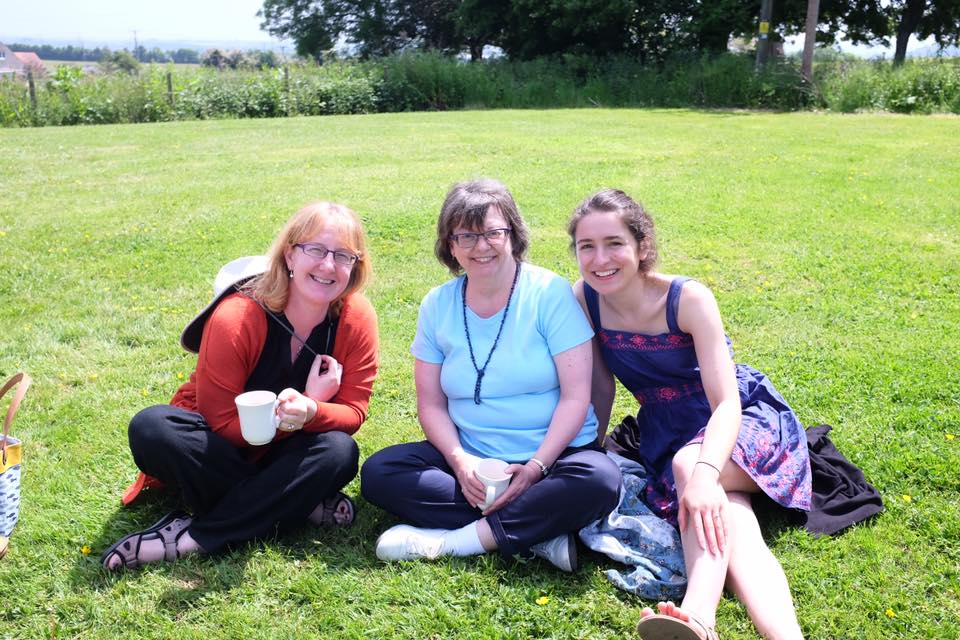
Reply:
x=93, y=21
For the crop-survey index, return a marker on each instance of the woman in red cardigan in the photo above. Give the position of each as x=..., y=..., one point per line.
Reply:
x=294, y=323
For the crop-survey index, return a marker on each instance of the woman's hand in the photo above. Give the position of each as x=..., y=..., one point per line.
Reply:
x=464, y=468
x=323, y=381
x=294, y=409
x=524, y=477
x=704, y=507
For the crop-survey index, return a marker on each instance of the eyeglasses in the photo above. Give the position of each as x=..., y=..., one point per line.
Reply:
x=319, y=252
x=469, y=240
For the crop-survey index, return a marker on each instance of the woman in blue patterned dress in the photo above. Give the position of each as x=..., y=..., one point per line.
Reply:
x=711, y=432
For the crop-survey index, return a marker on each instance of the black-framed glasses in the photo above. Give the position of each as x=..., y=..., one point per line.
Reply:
x=468, y=240
x=318, y=252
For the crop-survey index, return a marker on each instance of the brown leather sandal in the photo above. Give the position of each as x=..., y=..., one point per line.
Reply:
x=661, y=627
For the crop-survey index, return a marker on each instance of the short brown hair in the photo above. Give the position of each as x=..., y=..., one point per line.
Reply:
x=633, y=215
x=273, y=287
x=466, y=205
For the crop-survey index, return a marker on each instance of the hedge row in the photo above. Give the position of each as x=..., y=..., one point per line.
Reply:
x=432, y=82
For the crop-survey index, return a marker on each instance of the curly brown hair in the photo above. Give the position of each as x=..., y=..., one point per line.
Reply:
x=633, y=215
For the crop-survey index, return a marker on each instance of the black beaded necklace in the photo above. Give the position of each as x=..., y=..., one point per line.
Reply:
x=482, y=370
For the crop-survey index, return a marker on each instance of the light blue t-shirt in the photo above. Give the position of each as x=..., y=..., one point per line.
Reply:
x=520, y=387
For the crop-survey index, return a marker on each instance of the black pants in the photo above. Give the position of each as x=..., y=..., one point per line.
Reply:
x=232, y=499
x=414, y=482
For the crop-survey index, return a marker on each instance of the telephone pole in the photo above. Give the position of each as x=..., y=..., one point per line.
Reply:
x=763, y=33
x=810, y=39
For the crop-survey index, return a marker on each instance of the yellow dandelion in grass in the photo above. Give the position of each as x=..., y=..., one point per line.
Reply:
x=179, y=375
x=907, y=497
x=890, y=613
x=950, y=436
x=85, y=549
x=542, y=600
x=144, y=393
x=3, y=234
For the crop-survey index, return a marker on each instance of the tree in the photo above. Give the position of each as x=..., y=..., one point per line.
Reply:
x=121, y=60
x=879, y=22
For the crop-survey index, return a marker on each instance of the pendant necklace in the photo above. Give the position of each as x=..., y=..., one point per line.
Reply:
x=482, y=370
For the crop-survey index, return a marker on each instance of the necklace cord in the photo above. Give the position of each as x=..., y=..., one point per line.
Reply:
x=482, y=370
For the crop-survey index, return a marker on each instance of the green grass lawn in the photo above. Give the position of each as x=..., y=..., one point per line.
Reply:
x=831, y=242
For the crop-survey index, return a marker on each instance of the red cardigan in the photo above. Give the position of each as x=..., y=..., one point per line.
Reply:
x=230, y=347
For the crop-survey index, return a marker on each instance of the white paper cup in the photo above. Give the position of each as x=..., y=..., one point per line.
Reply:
x=492, y=473
x=258, y=416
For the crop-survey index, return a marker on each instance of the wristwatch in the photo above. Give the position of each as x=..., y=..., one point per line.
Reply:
x=544, y=470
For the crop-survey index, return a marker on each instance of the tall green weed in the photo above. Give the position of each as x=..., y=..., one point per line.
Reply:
x=429, y=81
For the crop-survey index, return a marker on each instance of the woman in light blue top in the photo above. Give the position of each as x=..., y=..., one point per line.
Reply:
x=503, y=370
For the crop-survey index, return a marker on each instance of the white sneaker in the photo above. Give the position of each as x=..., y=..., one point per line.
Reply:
x=403, y=542
x=561, y=552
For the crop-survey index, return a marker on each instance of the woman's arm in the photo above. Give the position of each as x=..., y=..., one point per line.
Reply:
x=356, y=350
x=602, y=386
x=704, y=497
x=442, y=433
x=574, y=373
x=232, y=340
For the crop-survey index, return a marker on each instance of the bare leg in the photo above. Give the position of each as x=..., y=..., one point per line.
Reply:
x=486, y=536
x=756, y=577
x=706, y=572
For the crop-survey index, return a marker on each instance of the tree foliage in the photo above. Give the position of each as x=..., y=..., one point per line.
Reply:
x=649, y=29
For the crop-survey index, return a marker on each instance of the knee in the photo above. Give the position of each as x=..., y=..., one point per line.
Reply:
x=149, y=429
x=597, y=481
x=373, y=474
x=383, y=470
x=343, y=449
x=607, y=482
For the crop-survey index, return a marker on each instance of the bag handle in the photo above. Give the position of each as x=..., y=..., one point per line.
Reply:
x=24, y=380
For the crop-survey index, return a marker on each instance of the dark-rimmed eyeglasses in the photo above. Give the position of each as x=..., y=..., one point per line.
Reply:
x=317, y=251
x=468, y=240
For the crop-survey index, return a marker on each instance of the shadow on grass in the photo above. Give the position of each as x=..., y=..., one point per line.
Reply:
x=193, y=578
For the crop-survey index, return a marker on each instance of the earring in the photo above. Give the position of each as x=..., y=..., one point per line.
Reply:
x=290, y=273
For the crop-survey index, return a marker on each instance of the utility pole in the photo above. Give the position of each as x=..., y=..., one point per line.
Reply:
x=763, y=33
x=136, y=46
x=810, y=41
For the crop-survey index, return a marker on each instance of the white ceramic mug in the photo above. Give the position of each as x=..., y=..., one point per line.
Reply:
x=258, y=416
x=492, y=473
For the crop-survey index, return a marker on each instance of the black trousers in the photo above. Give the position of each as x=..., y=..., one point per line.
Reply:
x=414, y=482
x=234, y=500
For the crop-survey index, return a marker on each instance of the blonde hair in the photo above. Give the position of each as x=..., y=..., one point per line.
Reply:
x=273, y=287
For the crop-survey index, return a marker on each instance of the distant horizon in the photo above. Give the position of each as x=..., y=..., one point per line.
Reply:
x=118, y=23
x=198, y=44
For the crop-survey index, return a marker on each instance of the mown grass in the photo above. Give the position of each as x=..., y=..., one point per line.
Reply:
x=832, y=243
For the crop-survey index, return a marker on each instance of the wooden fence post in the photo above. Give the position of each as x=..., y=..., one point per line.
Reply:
x=33, y=90
x=170, y=88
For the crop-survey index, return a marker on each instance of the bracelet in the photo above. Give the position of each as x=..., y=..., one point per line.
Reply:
x=543, y=468
x=709, y=465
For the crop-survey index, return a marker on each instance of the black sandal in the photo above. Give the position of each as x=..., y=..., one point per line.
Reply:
x=329, y=507
x=169, y=529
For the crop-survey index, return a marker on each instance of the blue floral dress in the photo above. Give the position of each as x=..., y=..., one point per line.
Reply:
x=662, y=372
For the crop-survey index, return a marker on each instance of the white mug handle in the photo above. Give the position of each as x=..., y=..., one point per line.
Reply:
x=491, y=495
x=276, y=417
